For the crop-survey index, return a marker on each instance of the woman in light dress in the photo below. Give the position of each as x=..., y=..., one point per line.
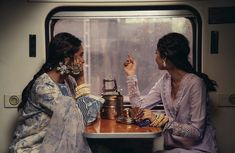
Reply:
x=184, y=94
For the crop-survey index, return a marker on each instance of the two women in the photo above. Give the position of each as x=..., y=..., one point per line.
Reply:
x=53, y=109
x=183, y=93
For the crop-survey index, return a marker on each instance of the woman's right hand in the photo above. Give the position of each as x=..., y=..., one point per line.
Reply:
x=77, y=70
x=130, y=66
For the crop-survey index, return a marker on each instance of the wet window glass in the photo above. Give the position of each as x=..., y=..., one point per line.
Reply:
x=108, y=41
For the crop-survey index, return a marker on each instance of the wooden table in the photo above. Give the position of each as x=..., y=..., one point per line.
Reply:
x=120, y=138
x=104, y=128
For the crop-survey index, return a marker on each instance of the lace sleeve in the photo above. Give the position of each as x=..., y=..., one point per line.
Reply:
x=147, y=101
x=184, y=130
x=133, y=91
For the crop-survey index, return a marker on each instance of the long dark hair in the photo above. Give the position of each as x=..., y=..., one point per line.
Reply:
x=61, y=46
x=175, y=47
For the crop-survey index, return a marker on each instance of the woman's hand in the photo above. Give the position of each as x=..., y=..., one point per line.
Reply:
x=77, y=70
x=148, y=114
x=160, y=120
x=130, y=66
x=80, y=78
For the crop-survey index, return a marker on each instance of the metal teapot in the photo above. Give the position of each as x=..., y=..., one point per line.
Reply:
x=113, y=104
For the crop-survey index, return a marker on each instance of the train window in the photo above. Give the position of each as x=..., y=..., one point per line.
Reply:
x=109, y=36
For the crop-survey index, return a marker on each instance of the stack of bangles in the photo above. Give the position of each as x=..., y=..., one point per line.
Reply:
x=159, y=120
x=82, y=90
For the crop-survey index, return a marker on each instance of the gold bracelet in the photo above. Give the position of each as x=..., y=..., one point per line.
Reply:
x=84, y=85
x=82, y=90
x=155, y=120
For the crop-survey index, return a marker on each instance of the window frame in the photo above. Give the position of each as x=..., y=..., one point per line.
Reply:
x=195, y=21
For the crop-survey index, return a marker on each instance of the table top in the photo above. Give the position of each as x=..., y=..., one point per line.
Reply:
x=104, y=128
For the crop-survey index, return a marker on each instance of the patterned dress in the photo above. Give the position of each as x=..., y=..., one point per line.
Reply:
x=189, y=129
x=52, y=120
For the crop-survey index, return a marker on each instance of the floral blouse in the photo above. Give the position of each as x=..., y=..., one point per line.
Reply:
x=52, y=121
x=188, y=127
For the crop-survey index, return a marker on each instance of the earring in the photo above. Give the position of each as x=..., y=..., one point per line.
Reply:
x=164, y=63
x=63, y=69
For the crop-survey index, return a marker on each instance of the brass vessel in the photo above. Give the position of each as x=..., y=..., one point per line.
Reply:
x=113, y=105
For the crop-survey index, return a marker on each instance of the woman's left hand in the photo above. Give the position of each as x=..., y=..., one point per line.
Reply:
x=148, y=114
x=160, y=120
